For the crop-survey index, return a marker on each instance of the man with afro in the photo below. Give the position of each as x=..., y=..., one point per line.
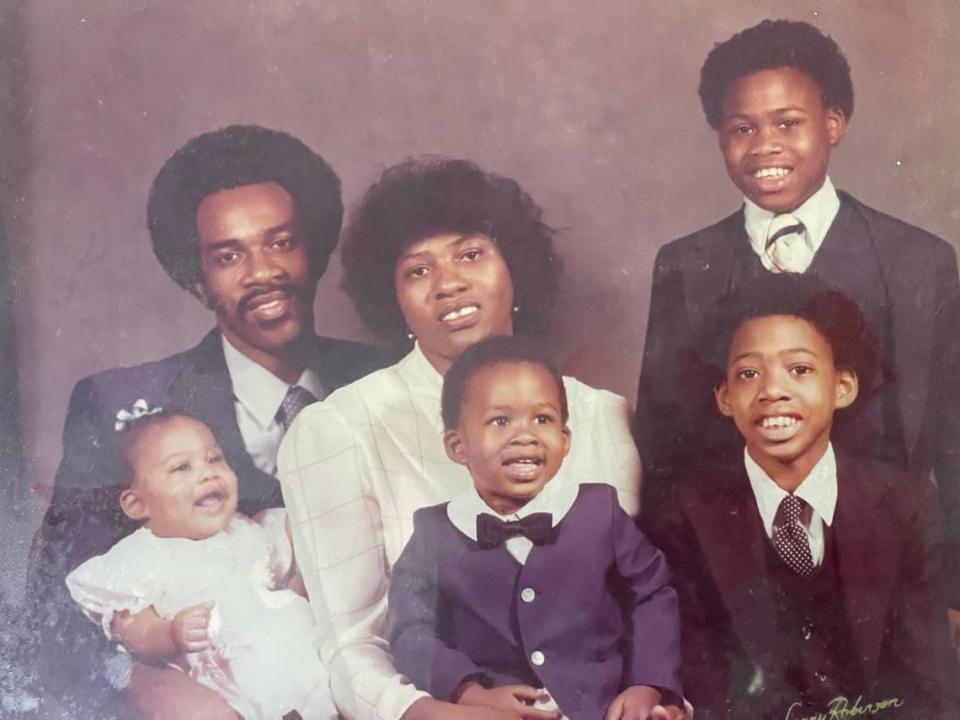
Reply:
x=244, y=218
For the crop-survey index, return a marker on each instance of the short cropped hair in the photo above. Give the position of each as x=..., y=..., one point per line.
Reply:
x=232, y=157
x=430, y=195
x=836, y=317
x=496, y=350
x=776, y=44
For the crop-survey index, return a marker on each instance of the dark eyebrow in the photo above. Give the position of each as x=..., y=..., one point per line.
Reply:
x=456, y=243
x=220, y=245
x=215, y=245
x=284, y=227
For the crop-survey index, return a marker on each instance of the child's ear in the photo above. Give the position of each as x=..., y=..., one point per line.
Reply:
x=132, y=504
x=722, y=396
x=453, y=444
x=567, y=439
x=848, y=386
x=836, y=125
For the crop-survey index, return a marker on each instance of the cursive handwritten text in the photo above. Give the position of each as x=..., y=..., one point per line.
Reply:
x=840, y=708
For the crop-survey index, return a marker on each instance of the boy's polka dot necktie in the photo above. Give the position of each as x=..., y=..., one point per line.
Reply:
x=788, y=247
x=790, y=536
x=296, y=399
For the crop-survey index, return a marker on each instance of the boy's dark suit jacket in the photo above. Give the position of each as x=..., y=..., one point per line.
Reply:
x=457, y=610
x=677, y=419
x=888, y=549
x=84, y=518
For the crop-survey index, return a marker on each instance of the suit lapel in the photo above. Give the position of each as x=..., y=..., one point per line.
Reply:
x=910, y=298
x=714, y=265
x=730, y=533
x=868, y=556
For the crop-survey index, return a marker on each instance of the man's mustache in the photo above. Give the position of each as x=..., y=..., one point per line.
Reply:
x=244, y=304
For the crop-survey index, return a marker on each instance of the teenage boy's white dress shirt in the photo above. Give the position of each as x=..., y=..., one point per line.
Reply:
x=817, y=215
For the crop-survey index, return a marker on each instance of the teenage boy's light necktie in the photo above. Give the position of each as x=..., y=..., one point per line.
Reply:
x=296, y=399
x=790, y=536
x=788, y=247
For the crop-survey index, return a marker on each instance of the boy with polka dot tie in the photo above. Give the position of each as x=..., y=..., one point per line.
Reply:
x=809, y=578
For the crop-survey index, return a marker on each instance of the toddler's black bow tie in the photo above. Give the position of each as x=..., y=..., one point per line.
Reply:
x=492, y=531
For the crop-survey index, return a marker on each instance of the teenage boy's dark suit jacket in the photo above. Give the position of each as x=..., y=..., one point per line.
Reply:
x=677, y=420
x=458, y=610
x=84, y=518
x=888, y=549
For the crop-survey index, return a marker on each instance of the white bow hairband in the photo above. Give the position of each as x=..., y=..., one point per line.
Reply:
x=125, y=418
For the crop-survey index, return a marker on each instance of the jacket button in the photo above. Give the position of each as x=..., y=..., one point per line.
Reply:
x=537, y=658
x=528, y=595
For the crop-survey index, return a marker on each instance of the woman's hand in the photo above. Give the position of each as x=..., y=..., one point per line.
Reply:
x=642, y=702
x=190, y=628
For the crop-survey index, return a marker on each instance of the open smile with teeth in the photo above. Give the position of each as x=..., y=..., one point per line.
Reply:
x=212, y=501
x=780, y=421
x=523, y=467
x=771, y=172
x=465, y=311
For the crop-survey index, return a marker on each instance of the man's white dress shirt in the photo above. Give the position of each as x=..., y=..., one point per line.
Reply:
x=257, y=395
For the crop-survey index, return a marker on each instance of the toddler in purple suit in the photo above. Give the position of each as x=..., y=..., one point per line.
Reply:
x=532, y=593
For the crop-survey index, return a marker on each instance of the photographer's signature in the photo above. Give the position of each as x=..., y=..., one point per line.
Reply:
x=840, y=708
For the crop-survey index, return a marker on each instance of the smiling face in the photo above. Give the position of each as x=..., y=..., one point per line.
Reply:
x=454, y=290
x=511, y=434
x=182, y=486
x=781, y=390
x=776, y=137
x=257, y=275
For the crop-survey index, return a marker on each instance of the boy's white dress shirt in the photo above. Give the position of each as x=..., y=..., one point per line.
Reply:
x=818, y=490
x=817, y=215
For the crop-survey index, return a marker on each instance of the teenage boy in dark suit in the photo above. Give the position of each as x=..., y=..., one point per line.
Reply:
x=245, y=218
x=780, y=97
x=809, y=578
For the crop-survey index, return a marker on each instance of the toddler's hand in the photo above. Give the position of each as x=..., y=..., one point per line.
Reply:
x=641, y=702
x=509, y=699
x=190, y=628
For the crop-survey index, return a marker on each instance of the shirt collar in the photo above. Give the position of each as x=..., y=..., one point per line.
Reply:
x=818, y=489
x=816, y=214
x=556, y=498
x=259, y=390
x=419, y=373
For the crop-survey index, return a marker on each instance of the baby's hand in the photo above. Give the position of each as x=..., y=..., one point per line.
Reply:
x=510, y=699
x=190, y=628
x=641, y=702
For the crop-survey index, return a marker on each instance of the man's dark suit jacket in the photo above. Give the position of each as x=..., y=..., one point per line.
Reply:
x=888, y=547
x=77, y=665
x=602, y=613
x=677, y=419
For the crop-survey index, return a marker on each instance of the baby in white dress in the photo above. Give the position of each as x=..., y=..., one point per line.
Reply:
x=200, y=587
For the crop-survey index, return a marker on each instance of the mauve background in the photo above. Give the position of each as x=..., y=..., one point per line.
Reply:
x=591, y=106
